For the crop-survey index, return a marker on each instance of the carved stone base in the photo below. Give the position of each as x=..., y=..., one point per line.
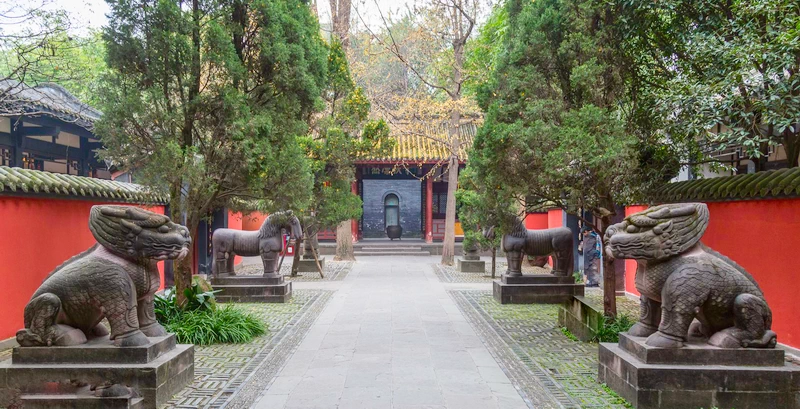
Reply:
x=308, y=265
x=471, y=266
x=252, y=289
x=698, y=375
x=61, y=377
x=535, y=289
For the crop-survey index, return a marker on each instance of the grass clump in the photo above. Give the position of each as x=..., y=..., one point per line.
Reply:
x=618, y=400
x=611, y=327
x=569, y=334
x=221, y=326
x=200, y=322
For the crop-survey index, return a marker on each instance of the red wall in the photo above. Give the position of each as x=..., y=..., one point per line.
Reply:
x=536, y=221
x=630, y=265
x=36, y=236
x=555, y=218
x=761, y=235
x=236, y=221
x=253, y=221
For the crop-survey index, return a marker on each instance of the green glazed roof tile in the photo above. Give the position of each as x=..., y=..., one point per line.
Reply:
x=771, y=183
x=17, y=180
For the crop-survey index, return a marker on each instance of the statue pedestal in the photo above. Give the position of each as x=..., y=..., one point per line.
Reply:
x=535, y=289
x=252, y=288
x=48, y=377
x=466, y=265
x=308, y=265
x=698, y=375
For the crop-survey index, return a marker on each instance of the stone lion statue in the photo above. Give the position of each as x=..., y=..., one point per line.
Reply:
x=267, y=242
x=687, y=288
x=114, y=279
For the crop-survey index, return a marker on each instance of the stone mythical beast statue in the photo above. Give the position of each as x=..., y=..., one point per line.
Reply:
x=267, y=242
x=521, y=241
x=681, y=280
x=115, y=279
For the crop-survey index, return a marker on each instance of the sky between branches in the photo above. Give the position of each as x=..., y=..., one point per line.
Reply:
x=91, y=14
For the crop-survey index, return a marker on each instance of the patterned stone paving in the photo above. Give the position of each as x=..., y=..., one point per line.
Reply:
x=233, y=375
x=548, y=369
x=450, y=274
x=334, y=271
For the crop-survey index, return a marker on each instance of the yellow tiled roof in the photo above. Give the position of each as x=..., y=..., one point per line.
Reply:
x=425, y=142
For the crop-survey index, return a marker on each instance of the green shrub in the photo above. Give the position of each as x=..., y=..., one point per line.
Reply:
x=223, y=325
x=610, y=329
x=201, y=322
x=578, y=276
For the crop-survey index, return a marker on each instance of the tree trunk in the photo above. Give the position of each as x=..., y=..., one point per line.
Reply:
x=340, y=19
x=609, y=273
x=449, y=245
x=344, y=242
x=791, y=144
x=296, y=259
x=494, y=260
x=183, y=268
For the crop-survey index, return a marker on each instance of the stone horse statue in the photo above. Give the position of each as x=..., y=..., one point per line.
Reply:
x=688, y=289
x=521, y=241
x=114, y=279
x=267, y=242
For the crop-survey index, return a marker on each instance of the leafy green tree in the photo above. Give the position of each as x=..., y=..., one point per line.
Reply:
x=207, y=100
x=77, y=63
x=558, y=127
x=481, y=208
x=719, y=74
x=484, y=51
x=37, y=46
x=341, y=134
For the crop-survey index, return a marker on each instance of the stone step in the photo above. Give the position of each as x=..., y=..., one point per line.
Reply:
x=275, y=298
x=244, y=280
x=97, y=351
x=59, y=401
x=397, y=248
x=392, y=253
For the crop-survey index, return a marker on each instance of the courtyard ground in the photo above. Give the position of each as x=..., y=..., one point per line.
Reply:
x=397, y=333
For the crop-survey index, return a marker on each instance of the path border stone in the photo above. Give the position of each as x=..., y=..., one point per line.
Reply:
x=268, y=362
x=246, y=383
x=538, y=389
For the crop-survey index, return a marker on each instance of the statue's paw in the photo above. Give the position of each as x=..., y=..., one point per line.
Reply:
x=99, y=330
x=131, y=339
x=154, y=330
x=661, y=340
x=26, y=338
x=642, y=330
x=697, y=330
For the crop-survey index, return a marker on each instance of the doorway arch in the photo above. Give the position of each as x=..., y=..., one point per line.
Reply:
x=391, y=210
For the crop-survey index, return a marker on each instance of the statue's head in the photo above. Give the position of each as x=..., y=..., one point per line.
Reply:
x=657, y=233
x=131, y=232
x=285, y=219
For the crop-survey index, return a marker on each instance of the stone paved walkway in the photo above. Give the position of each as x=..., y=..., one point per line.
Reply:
x=550, y=370
x=391, y=337
x=234, y=375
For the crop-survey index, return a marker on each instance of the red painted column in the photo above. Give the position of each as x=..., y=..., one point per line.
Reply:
x=429, y=210
x=354, y=226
